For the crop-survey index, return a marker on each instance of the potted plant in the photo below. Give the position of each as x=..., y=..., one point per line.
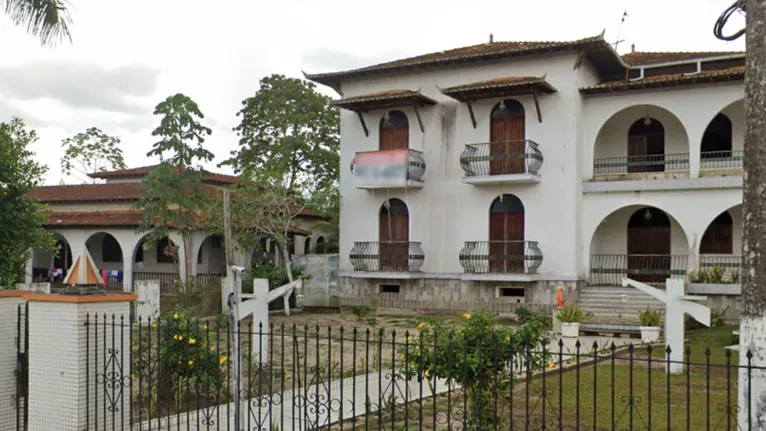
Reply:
x=570, y=317
x=650, y=321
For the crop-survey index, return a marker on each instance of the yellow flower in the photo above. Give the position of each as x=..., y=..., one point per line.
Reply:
x=409, y=340
x=551, y=365
x=212, y=348
x=287, y=376
x=508, y=339
x=204, y=327
x=180, y=338
x=175, y=337
x=223, y=360
x=192, y=341
x=425, y=373
x=191, y=362
x=154, y=325
x=466, y=316
x=133, y=376
x=176, y=316
x=422, y=325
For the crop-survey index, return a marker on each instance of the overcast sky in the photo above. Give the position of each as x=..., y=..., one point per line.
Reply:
x=128, y=55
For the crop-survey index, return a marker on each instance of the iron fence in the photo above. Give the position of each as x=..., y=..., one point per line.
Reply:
x=168, y=281
x=179, y=374
x=721, y=159
x=501, y=158
x=641, y=164
x=611, y=269
x=505, y=257
x=387, y=256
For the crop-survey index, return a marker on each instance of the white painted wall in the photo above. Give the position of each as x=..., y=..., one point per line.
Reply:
x=612, y=140
x=611, y=236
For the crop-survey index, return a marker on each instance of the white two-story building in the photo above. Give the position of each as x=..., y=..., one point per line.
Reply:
x=492, y=175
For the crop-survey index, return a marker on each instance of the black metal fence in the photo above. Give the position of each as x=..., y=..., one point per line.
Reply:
x=180, y=374
x=501, y=257
x=641, y=164
x=611, y=269
x=501, y=158
x=721, y=159
x=387, y=256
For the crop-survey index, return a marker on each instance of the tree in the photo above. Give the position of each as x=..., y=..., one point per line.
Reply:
x=47, y=19
x=90, y=152
x=173, y=195
x=288, y=132
x=21, y=217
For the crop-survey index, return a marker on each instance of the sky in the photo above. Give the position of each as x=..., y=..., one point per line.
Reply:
x=128, y=55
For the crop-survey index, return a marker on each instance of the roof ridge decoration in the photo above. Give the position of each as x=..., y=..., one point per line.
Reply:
x=600, y=52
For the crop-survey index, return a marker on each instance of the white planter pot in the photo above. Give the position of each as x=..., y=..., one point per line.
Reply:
x=570, y=330
x=650, y=334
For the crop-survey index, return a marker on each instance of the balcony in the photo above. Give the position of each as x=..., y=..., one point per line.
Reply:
x=646, y=164
x=610, y=269
x=501, y=162
x=721, y=160
x=388, y=169
x=501, y=257
x=387, y=256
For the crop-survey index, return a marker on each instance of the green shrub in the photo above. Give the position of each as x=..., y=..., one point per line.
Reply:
x=276, y=275
x=475, y=352
x=571, y=314
x=734, y=276
x=523, y=315
x=650, y=317
x=716, y=274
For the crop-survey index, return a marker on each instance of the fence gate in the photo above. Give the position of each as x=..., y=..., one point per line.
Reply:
x=22, y=366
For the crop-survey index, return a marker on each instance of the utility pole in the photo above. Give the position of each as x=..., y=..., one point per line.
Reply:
x=752, y=383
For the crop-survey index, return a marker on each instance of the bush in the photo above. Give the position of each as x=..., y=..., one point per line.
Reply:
x=650, y=317
x=571, y=314
x=173, y=358
x=476, y=353
x=276, y=275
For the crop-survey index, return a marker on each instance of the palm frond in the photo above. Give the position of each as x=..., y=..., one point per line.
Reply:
x=49, y=20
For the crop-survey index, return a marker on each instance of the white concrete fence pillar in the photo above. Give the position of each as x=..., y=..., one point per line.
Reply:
x=11, y=338
x=79, y=364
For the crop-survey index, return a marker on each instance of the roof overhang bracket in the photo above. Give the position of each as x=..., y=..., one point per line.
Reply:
x=537, y=107
x=580, y=57
x=470, y=112
x=364, y=125
x=420, y=122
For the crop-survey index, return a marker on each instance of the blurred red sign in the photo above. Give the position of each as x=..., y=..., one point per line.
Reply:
x=382, y=168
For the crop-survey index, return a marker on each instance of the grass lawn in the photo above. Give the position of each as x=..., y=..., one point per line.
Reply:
x=617, y=394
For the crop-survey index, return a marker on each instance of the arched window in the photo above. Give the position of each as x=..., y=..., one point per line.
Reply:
x=394, y=234
x=164, y=251
x=716, y=142
x=320, y=245
x=63, y=260
x=646, y=146
x=110, y=249
x=719, y=236
x=394, y=131
x=506, y=234
x=649, y=245
x=507, y=138
x=307, y=245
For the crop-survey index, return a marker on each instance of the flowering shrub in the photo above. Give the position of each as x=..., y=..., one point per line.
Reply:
x=475, y=352
x=176, y=356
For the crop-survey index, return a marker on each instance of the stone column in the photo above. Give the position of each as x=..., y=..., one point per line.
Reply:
x=12, y=340
x=29, y=267
x=79, y=366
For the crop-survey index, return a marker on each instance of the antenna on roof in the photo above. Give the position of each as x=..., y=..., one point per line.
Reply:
x=619, y=31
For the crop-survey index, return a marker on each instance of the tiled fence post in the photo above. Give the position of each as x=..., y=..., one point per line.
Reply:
x=79, y=374
x=9, y=339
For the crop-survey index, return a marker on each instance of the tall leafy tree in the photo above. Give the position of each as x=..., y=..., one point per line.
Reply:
x=172, y=195
x=48, y=20
x=90, y=152
x=21, y=217
x=290, y=132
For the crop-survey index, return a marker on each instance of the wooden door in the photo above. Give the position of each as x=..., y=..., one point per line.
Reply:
x=507, y=146
x=649, y=257
x=394, y=138
x=637, y=161
x=506, y=245
x=394, y=237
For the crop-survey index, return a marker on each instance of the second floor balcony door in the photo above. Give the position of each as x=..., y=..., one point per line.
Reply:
x=394, y=131
x=394, y=236
x=507, y=139
x=506, y=235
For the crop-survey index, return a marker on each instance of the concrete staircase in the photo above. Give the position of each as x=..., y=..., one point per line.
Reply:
x=611, y=309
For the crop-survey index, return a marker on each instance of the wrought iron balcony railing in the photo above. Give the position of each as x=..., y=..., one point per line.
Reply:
x=641, y=164
x=610, y=269
x=501, y=257
x=501, y=158
x=721, y=159
x=388, y=170
x=387, y=256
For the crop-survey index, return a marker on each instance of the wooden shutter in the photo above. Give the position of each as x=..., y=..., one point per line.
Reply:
x=507, y=146
x=394, y=138
x=637, y=154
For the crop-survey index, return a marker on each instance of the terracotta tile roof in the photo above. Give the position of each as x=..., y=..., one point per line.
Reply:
x=599, y=51
x=704, y=77
x=145, y=170
x=649, y=58
x=499, y=87
x=95, y=219
x=88, y=193
x=384, y=99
